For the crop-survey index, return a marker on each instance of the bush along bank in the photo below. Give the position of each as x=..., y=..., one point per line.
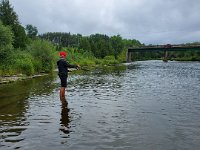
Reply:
x=37, y=58
x=40, y=58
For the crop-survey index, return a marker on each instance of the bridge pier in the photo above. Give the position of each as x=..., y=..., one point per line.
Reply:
x=165, y=56
x=128, y=56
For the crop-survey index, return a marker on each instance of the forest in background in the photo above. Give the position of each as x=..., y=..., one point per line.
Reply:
x=24, y=51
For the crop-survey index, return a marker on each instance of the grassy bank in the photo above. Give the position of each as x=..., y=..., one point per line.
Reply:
x=36, y=58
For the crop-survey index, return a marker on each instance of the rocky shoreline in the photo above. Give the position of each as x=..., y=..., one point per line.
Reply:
x=10, y=79
x=20, y=77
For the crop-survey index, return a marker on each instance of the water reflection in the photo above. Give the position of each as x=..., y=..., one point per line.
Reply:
x=64, y=120
x=15, y=103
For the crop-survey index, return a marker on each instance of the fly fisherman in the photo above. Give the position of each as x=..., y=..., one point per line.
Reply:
x=63, y=66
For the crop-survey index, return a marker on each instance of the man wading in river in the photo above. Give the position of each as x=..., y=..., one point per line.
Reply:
x=63, y=66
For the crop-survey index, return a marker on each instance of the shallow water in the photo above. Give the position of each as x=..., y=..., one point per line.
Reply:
x=143, y=105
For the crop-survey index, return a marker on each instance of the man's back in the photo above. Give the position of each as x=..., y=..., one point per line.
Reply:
x=62, y=67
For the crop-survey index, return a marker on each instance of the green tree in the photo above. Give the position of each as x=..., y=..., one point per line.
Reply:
x=9, y=17
x=42, y=51
x=31, y=31
x=7, y=14
x=101, y=45
x=117, y=45
x=6, y=39
x=131, y=43
x=20, y=36
x=84, y=44
x=6, y=36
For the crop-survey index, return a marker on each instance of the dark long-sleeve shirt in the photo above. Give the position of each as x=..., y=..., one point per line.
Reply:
x=63, y=66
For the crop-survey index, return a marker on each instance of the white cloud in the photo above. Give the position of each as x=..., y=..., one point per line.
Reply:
x=150, y=21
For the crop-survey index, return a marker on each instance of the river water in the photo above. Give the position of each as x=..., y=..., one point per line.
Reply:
x=146, y=105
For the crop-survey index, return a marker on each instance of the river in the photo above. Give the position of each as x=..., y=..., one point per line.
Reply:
x=144, y=105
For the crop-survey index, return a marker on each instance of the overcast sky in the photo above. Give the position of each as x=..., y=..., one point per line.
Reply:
x=149, y=21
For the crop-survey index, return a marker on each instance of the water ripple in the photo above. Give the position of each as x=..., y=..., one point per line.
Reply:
x=144, y=105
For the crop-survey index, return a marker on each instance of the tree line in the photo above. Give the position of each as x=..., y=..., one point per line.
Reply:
x=100, y=45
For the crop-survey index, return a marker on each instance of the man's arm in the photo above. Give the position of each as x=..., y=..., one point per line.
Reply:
x=71, y=66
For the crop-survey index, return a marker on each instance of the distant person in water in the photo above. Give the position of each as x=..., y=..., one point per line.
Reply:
x=63, y=66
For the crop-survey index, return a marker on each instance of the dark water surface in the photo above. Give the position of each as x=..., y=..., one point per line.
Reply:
x=148, y=105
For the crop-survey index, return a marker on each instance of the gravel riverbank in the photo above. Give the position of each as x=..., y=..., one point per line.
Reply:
x=10, y=79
